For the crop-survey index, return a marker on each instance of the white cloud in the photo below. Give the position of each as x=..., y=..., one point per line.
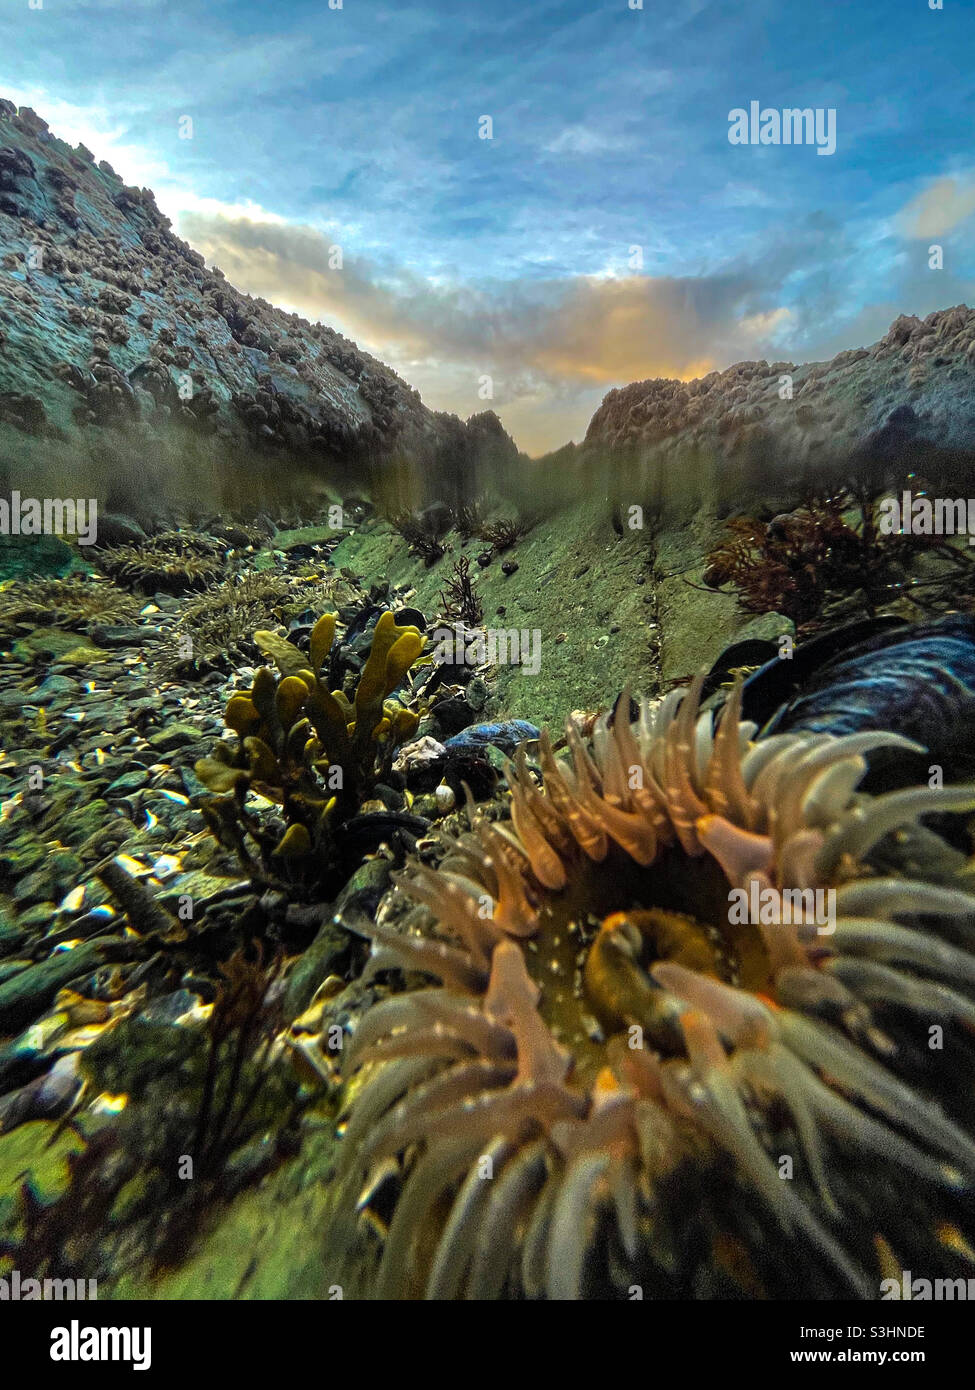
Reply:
x=584, y=140
x=938, y=208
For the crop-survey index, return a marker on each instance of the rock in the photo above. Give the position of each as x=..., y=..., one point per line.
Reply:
x=766, y=627
x=505, y=736
x=477, y=693
x=12, y=937
x=175, y=736
x=46, y=1097
x=13, y=700
x=454, y=714
x=52, y=688
x=264, y=379
x=45, y=556
x=123, y=635
x=51, y=643
x=38, y=915
x=25, y=996
x=66, y=870
x=191, y=783
x=32, y=887
x=200, y=887
x=332, y=948
x=115, y=529
x=128, y=782
x=420, y=755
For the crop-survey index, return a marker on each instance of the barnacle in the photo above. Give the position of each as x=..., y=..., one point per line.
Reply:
x=677, y=1099
x=312, y=751
x=174, y=562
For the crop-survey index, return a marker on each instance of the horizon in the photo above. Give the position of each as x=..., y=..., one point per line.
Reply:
x=528, y=265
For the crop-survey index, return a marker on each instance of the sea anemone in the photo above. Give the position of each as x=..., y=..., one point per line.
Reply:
x=629, y=1081
x=73, y=603
x=173, y=562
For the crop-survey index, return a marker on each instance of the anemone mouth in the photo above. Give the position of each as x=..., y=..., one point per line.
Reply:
x=603, y=1021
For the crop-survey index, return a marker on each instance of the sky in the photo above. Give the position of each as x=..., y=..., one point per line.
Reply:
x=606, y=232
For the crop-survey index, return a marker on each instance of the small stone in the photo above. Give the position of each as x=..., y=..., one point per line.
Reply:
x=52, y=688
x=174, y=736
x=32, y=887
x=128, y=782
x=123, y=635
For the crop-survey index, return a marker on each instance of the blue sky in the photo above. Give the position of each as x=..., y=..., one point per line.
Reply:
x=512, y=258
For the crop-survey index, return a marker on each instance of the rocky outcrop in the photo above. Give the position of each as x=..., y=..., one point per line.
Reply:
x=111, y=327
x=906, y=402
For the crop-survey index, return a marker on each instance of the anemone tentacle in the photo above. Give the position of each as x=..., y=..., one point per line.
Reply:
x=717, y=1046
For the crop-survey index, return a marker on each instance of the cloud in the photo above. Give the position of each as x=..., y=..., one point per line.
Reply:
x=581, y=329
x=93, y=127
x=584, y=140
x=549, y=345
x=938, y=208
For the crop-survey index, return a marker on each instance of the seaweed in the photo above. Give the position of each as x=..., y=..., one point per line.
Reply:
x=422, y=535
x=503, y=533
x=218, y=626
x=312, y=752
x=74, y=602
x=198, y=1103
x=800, y=562
x=174, y=562
x=468, y=520
x=459, y=597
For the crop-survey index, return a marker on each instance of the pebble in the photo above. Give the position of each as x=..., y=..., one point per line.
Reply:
x=128, y=782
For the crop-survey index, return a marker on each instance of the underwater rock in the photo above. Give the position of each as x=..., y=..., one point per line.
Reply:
x=128, y=782
x=44, y=556
x=332, y=948
x=479, y=737
x=454, y=714
x=123, y=635
x=31, y=991
x=46, y=1097
x=115, y=529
